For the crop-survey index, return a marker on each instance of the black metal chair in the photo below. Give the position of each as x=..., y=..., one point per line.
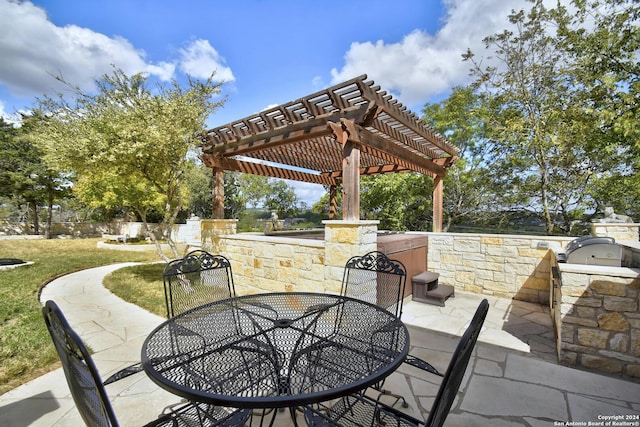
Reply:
x=377, y=279
x=196, y=279
x=360, y=410
x=89, y=393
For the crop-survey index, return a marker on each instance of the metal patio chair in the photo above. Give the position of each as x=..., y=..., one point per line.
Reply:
x=377, y=279
x=89, y=393
x=196, y=279
x=360, y=410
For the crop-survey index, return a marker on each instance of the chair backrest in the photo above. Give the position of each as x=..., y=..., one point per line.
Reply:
x=82, y=375
x=196, y=279
x=457, y=367
x=375, y=278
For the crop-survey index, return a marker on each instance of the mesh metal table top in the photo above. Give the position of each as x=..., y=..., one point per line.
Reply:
x=275, y=350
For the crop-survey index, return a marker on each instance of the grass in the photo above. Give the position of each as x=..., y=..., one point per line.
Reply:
x=140, y=285
x=26, y=350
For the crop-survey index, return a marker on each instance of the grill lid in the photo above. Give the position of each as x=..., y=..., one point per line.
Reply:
x=593, y=250
x=588, y=240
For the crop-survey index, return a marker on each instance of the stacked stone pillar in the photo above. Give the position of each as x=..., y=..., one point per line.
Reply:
x=600, y=319
x=344, y=239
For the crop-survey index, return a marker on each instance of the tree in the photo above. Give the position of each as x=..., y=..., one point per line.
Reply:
x=546, y=148
x=400, y=201
x=199, y=184
x=281, y=198
x=234, y=203
x=603, y=40
x=254, y=189
x=10, y=157
x=24, y=176
x=469, y=190
x=269, y=193
x=129, y=142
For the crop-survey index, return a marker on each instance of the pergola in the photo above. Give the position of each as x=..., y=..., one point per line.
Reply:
x=330, y=137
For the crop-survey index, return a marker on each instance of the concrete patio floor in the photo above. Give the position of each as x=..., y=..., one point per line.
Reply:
x=512, y=380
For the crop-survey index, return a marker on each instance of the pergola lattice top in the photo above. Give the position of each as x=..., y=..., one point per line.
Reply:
x=302, y=134
x=330, y=137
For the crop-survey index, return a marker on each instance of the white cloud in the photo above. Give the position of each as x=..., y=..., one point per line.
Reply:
x=307, y=192
x=318, y=82
x=14, y=118
x=34, y=50
x=200, y=59
x=422, y=65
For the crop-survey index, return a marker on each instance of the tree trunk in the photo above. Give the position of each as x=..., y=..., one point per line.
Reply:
x=36, y=221
x=549, y=224
x=47, y=227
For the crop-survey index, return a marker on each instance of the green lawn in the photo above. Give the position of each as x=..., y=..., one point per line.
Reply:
x=140, y=285
x=26, y=350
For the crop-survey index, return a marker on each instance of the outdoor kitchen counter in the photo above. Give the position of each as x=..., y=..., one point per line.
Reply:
x=599, y=270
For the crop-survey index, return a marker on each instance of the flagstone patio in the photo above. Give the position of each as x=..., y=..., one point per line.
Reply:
x=513, y=379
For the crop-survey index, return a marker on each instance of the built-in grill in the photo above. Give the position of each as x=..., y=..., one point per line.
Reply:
x=592, y=250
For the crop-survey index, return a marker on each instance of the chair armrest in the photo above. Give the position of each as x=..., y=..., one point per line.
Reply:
x=124, y=373
x=421, y=364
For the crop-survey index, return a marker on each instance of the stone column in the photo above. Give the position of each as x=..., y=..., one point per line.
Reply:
x=619, y=231
x=212, y=230
x=344, y=239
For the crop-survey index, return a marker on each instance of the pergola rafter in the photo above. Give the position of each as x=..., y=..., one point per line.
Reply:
x=332, y=137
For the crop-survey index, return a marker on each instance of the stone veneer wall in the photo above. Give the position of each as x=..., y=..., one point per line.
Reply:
x=72, y=229
x=597, y=317
x=502, y=265
x=507, y=266
x=619, y=231
x=278, y=264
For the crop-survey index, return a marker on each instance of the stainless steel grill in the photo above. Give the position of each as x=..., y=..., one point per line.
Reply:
x=592, y=250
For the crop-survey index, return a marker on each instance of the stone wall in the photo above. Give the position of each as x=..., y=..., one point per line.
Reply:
x=507, y=266
x=281, y=264
x=186, y=233
x=502, y=265
x=72, y=229
x=619, y=231
x=264, y=264
x=596, y=315
x=598, y=318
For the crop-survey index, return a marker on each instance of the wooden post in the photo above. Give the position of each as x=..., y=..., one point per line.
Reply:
x=437, y=204
x=218, y=193
x=333, y=204
x=351, y=182
x=346, y=133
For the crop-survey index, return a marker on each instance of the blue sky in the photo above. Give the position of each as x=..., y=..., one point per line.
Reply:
x=268, y=52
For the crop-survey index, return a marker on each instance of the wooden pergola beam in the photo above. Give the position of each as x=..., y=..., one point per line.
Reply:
x=254, y=168
x=218, y=193
x=410, y=160
x=408, y=119
x=372, y=170
x=309, y=129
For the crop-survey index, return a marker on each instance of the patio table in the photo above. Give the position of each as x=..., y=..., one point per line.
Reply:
x=275, y=350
